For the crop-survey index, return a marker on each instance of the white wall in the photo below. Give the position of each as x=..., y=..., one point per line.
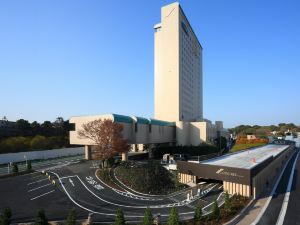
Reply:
x=46, y=154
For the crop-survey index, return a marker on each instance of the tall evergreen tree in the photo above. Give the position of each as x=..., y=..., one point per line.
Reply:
x=148, y=217
x=71, y=219
x=216, y=211
x=41, y=218
x=5, y=217
x=198, y=213
x=28, y=167
x=173, y=217
x=227, y=203
x=120, y=220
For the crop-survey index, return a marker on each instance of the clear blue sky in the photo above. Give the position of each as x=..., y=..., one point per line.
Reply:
x=69, y=58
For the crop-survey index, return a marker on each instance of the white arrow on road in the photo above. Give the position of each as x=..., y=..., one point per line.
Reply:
x=71, y=182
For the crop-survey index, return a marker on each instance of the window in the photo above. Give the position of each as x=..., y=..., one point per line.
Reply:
x=136, y=127
x=184, y=28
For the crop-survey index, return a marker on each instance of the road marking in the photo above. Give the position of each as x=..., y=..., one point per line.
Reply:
x=285, y=203
x=42, y=195
x=70, y=180
x=37, y=181
x=37, y=176
x=66, y=177
x=39, y=187
x=107, y=214
x=272, y=193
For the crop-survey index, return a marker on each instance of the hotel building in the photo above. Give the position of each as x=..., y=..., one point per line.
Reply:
x=178, y=101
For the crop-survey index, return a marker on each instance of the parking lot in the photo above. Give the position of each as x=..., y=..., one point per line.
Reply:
x=75, y=185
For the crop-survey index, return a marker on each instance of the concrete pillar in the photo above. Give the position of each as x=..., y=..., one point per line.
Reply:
x=88, y=152
x=125, y=156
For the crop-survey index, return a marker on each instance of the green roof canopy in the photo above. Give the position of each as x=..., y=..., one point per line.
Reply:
x=161, y=122
x=142, y=120
x=122, y=119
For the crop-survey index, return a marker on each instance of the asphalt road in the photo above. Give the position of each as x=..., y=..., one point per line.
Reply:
x=79, y=188
x=270, y=216
x=292, y=216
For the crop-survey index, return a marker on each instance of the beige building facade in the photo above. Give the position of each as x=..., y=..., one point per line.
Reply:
x=177, y=68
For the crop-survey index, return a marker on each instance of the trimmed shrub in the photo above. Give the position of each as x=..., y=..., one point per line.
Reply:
x=120, y=220
x=173, y=217
x=29, y=167
x=71, y=219
x=5, y=217
x=41, y=218
x=15, y=168
x=148, y=217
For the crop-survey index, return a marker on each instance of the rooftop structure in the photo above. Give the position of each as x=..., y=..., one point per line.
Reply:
x=249, y=158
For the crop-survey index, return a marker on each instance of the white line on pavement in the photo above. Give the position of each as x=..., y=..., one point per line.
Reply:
x=37, y=181
x=37, y=176
x=42, y=195
x=287, y=195
x=39, y=187
x=66, y=177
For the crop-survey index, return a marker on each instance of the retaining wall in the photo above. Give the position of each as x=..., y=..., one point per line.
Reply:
x=45, y=154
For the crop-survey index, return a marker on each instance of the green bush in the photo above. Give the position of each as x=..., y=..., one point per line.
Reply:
x=5, y=217
x=120, y=220
x=150, y=178
x=173, y=217
x=39, y=142
x=104, y=174
x=41, y=218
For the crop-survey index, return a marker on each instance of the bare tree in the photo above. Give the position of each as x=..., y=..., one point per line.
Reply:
x=107, y=137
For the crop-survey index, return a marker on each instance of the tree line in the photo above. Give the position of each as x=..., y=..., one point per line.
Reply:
x=264, y=131
x=23, y=135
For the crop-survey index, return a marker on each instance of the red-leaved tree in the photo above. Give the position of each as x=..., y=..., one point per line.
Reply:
x=107, y=137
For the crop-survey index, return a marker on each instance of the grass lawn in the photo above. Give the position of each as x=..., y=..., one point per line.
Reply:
x=239, y=147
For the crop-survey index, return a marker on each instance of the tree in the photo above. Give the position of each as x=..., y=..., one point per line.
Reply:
x=107, y=136
x=227, y=204
x=47, y=128
x=120, y=220
x=198, y=213
x=29, y=167
x=216, y=211
x=173, y=217
x=41, y=218
x=5, y=217
x=24, y=127
x=39, y=142
x=15, y=168
x=71, y=219
x=148, y=217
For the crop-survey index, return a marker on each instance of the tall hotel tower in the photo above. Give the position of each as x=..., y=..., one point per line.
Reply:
x=178, y=68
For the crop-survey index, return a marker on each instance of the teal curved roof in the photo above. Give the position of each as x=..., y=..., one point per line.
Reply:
x=161, y=122
x=142, y=120
x=122, y=118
